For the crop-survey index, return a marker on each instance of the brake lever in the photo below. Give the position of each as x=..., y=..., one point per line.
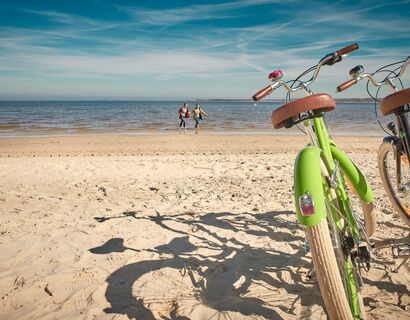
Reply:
x=332, y=60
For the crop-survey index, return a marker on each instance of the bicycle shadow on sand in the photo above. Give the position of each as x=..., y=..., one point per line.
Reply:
x=201, y=273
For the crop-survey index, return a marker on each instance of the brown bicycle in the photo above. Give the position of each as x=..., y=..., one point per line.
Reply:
x=394, y=152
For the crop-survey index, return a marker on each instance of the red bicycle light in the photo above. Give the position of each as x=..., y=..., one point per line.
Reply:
x=275, y=75
x=307, y=206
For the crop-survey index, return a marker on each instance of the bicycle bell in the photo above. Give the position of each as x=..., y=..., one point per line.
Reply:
x=275, y=75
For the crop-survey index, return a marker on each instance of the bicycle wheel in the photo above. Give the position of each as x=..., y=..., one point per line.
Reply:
x=395, y=174
x=335, y=273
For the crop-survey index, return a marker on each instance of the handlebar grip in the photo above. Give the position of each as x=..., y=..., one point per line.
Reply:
x=346, y=85
x=262, y=93
x=347, y=49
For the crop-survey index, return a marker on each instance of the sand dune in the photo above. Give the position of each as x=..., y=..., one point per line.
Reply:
x=169, y=227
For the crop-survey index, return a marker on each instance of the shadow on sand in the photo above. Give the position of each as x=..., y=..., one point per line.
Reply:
x=221, y=280
x=225, y=276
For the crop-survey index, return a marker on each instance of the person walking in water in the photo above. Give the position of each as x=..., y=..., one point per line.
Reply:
x=197, y=115
x=183, y=113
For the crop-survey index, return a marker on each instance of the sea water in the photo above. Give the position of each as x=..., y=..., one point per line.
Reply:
x=49, y=118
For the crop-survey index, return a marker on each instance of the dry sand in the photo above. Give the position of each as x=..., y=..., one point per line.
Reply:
x=169, y=227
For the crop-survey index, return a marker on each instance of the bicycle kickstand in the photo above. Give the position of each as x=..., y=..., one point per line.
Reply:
x=400, y=249
x=401, y=264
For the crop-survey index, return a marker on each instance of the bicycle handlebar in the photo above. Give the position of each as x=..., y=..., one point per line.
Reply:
x=329, y=59
x=387, y=81
x=262, y=93
x=347, y=49
x=346, y=85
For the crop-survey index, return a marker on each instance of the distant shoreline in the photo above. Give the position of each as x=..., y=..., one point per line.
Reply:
x=342, y=100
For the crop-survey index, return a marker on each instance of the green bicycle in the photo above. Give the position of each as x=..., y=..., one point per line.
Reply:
x=326, y=187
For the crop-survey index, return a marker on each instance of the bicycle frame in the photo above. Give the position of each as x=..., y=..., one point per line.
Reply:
x=324, y=151
x=404, y=132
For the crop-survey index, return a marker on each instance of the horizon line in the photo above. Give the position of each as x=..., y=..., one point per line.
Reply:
x=171, y=100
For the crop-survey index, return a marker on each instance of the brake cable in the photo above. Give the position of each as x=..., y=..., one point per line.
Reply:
x=292, y=86
x=375, y=98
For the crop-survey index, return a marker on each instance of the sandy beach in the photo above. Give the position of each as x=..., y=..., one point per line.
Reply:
x=170, y=227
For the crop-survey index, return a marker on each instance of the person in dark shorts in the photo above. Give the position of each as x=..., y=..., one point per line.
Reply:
x=183, y=113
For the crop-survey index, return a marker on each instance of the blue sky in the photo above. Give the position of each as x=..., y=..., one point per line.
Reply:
x=160, y=50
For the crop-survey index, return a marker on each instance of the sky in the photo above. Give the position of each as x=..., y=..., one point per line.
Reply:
x=180, y=50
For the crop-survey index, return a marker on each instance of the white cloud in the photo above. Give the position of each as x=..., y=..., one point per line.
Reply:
x=173, y=64
x=193, y=12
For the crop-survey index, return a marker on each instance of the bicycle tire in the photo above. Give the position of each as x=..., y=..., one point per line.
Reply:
x=386, y=152
x=328, y=273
